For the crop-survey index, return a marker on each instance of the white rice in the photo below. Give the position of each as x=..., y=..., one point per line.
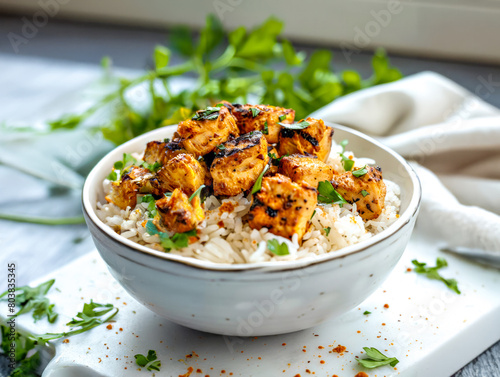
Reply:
x=236, y=242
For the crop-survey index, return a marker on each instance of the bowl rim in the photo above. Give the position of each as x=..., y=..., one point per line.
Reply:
x=404, y=219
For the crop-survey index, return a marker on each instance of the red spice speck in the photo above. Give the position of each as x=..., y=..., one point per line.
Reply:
x=383, y=324
x=223, y=371
x=408, y=269
x=321, y=347
x=283, y=344
x=339, y=349
x=386, y=306
x=361, y=374
x=109, y=327
x=322, y=362
x=359, y=332
x=66, y=341
x=260, y=358
x=308, y=371
x=121, y=329
x=188, y=373
x=221, y=224
x=199, y=370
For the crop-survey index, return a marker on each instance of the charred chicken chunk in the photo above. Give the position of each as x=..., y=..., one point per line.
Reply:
x=155, y=152
x=262, y=118
x=315, y=139
x=283, y=207
x=239, y=163
x=207, y=129
x=307, y=170
x=178, y=214
x=134, y=181
x=367, y=191
x=184, y=172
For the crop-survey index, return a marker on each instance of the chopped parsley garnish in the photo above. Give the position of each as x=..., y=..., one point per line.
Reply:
x=196, y=193
x=151, y=206
x=364, y=193
x=360, y=172
x=432, y=273
x=367, y=312
x=296, y=126
x=265, y=131
x=166, y=140
x=258, y=183
x=275, y=159
x=327, y=230
x=255, y=112
x=28, y=299
x=177, y=241
x=150, y=362
x=221, y=147
x=126, y=161
x=346, y=161
x=153, y=168
x=314, y=212
x=282, y=117
x=209, y=113
x=376, y=359
x=112, y=176
x=327, y=194
x=277, y=248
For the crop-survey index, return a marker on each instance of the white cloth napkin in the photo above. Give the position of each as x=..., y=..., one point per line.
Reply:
x=453, y=138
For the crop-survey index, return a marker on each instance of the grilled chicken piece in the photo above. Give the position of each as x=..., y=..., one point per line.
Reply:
x=283, y=207
x=263, y=118
x=304, y=169
x=316, y=139
x=135, y=180
x=178, y=214
x=236, y=167
x=367, y=191
x=155, y=152
x=184, y=172
x=274, y=160
x=174, y=148
x=206, y=130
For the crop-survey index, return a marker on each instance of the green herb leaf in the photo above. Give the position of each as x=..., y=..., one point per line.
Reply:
x=265, y=131
x=153, y=168
x=360, y=172
x=209, y=113
x=314, y=212
x=30, y=299
x=258, y=183
x=197, y=192
x=376, y=359
x=177, y=241
x=277, y=248
x=327, y=231
x=282, y=117
x=328, y=194
x=367, y=312
x=151, y=206
x=112, y=176
x=161, y=56
x=255, y=111
x=346, y=161
x=221, y=147
x=432, y=273
x=150, y=362
x=296, y=126
x=364, y=193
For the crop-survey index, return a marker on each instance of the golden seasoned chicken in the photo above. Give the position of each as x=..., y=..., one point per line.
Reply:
x=367, y=191
x=134, y=181
x=283, y=207
x=315, y=139
x=178, y=214
x=174, y=148
x=155, y=152
x=239, y=163
x=184, y=172
x=307, y=170
x=262, y=118
x=206, y=130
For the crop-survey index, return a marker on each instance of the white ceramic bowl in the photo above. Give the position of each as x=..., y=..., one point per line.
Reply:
x=263, y=298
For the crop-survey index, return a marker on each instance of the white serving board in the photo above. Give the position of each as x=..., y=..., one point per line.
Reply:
x=429, y=328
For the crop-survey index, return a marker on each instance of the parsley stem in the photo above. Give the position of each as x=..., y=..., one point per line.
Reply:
x=43, y=220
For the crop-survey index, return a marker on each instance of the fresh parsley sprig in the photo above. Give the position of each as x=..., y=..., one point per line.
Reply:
x=295, y=126
x=358, y=173
x=121, y=166
x=432, y=273
x=277, y=248
x=148, y=198
x=376, y=359
x=346, y=161
x=258, y=183
x=177, y=241
x=150, y=362
x=328, y=194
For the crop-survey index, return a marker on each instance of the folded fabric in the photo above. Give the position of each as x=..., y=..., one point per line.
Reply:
x=453, y=138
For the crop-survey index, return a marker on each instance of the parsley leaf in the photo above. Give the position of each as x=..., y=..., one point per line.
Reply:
x=314, y=212
x=277, y=248
x=177, y=241
x=327, y=230
x=127, y=160
x=153, y=168
x=151, y=206
x=150, y=361
x=221, y=147
x=255, y=111
x=282, y=117
x=209, y=113
x=367, y=312
x=295, y=126
x=258, y=183
x=346, y=161
x=33, y=300
x=275, y=159
x=197, y=192
x=265, y=131
x=364, y=193
x=432, y=273
x=112, y=176
x=376, y=359
x=327, y=194
x=360, y=172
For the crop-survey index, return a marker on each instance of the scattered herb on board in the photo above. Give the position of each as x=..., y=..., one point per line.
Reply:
x=367, y=312
x=28, y=299
x=258, y=183
x=432, y=273
x=376, y=359
x=277, y=248
x=150, y=362
x=327, y=194
x=177, y=241
x=327, y=230
x=346, y=161
x=267, y=66
x=295, y=126
x=360, y=172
